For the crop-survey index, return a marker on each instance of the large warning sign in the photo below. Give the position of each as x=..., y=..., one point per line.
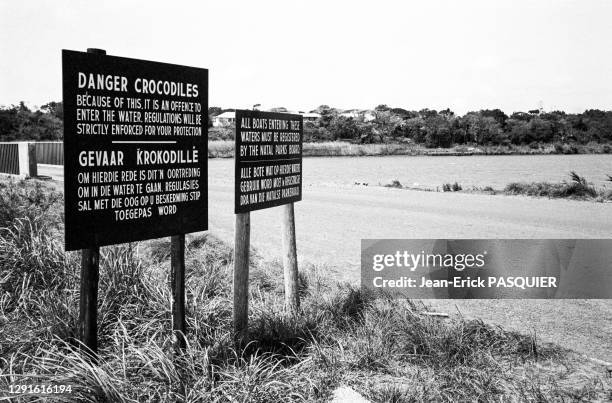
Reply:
x=135, y=149
x=268, y=159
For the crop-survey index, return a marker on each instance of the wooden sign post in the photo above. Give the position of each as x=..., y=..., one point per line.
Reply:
x=177, y=279
x=88, y=298
x=135, y=166
x=241, y=276
x=268, y=173
x=290, y=265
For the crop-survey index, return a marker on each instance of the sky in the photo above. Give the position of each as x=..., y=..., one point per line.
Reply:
x=464, y=55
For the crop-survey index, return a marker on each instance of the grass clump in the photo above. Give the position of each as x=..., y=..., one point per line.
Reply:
x=394, y=184
x=28, y=199
x=343, y=335
x=575, y=188
x=455, y=187
x=221, y=149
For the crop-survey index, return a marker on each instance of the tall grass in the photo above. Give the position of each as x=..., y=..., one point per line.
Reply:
x=384, y=348
x=342, y=148
x=221, y=149
x=577, y=187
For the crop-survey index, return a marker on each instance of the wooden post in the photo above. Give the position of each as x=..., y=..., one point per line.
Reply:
x=88, y=303
x=177, y=257
x=241, y=277
x=292, y=299
x=32, y=163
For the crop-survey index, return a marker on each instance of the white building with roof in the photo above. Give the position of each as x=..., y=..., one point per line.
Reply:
x=229, y=118
x=310, y=117
x=224, y=119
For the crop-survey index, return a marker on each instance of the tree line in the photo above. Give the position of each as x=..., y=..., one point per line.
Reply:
x=383, y=124
x=21, y=123
x=444, y=128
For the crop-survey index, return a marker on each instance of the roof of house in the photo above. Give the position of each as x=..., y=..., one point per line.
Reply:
x=227, y=115
x=232, y=115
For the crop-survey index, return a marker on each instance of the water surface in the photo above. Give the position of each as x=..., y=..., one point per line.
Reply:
x=431, y=172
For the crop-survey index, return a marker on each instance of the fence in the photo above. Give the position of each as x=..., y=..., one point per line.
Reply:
x=50, y=152
x=9, y=158
x=22, y=157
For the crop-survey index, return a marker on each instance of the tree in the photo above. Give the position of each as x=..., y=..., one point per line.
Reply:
x=385, y=121
x=437, y=132
x=447, y=113
x=18, y=122
x=541, y=130
x=482, y=130
x=55, y=109
x=382, y=108
x=327, y=115
x=426, y=113
x=413, y=128
x=403, y=113
x=525, y=117
x=497, y=114
x=349, y=128
x=517, y=131
x=214, y=111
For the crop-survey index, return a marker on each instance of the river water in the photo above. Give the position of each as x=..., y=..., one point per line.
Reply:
x=431, y=172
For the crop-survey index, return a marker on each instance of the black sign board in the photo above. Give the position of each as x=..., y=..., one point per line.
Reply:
x=268, y=160
x=135, y=149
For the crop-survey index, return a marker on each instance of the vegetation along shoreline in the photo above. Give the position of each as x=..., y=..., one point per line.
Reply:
x=380, y=131
x=576, y=188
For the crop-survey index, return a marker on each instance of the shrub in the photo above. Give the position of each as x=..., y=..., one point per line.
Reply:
x=455, y=187
x=28, y=198
x=221, y=149
x=394, y=184
x=577, y=187
x=33, y=260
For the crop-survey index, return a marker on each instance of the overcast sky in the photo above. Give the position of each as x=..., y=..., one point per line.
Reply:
x=466, y=55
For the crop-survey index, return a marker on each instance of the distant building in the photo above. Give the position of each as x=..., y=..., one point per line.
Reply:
x=229, y=118
x=224, y=119
x=310, y=117
x=366, y=116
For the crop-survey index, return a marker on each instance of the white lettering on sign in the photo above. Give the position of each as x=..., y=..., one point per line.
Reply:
x=100, y=158
x=102, y=82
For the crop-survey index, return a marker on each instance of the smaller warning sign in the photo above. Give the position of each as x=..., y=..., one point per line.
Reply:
x=268, y=159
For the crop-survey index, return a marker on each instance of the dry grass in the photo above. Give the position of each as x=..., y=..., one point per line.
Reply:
x=576, y=188
x=341, y=148
x=221, y=149
x=384, y=348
